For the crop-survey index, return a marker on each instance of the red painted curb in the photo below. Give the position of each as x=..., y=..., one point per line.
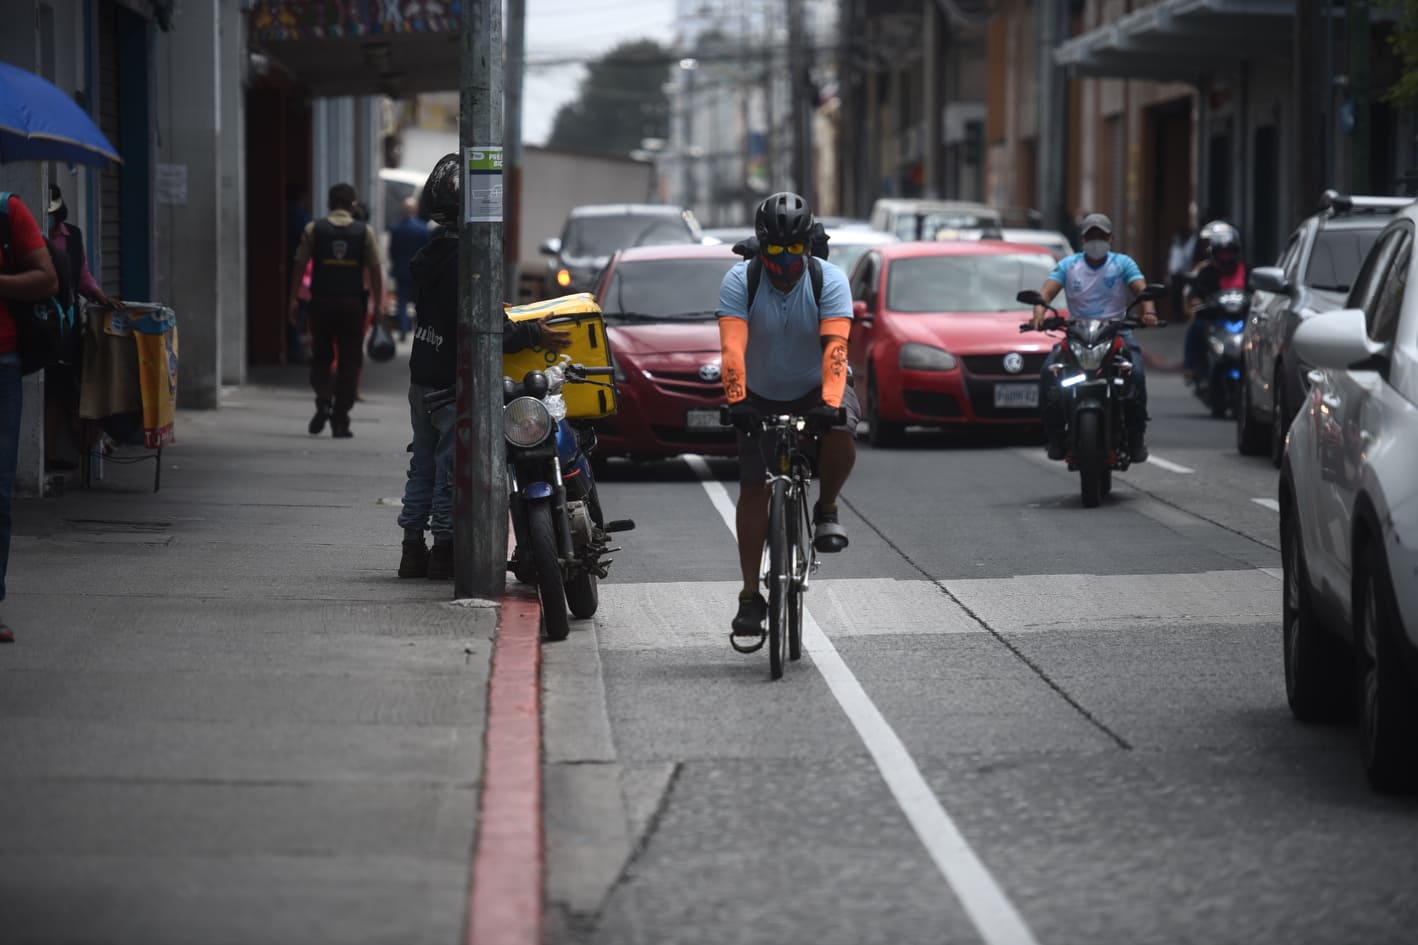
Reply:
x=507, y=880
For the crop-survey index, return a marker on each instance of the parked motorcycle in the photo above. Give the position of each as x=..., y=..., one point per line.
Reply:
x=562, y=535
x=1094, y=371
x=1218, y=385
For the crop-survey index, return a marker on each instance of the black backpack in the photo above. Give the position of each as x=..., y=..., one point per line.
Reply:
x=44, y=329
x=817, y=251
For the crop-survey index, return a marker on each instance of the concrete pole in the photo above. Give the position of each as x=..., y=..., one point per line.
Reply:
x=1053, y=115
x=930, y=97
x=479, y=470
x=512, y=156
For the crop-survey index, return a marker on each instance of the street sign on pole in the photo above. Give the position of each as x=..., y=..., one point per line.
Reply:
x=479, y=474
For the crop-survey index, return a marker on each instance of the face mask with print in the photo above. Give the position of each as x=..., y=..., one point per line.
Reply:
x=786, y=269
x=1096, y=249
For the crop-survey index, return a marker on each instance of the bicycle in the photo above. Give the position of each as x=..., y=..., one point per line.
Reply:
x=789, y=561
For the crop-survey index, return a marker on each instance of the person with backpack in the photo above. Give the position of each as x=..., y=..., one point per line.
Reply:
x=27, y=275
x=433, y=369
x=345, y=256
x=784, y=320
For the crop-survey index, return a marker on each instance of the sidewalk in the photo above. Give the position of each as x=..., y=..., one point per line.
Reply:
x=226, y=720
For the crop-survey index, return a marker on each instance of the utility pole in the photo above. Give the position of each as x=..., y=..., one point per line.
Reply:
x=479, y=476
x=1053, y=115
x=512, y=155
x=802, y=107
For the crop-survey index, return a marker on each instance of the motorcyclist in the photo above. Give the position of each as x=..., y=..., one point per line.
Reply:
x=1223, y=268
x=1100, y=284
x=785, y=351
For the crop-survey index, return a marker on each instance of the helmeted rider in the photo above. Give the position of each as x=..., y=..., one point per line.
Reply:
x=1100, y=284
x=784, y=350
x=1223, y=268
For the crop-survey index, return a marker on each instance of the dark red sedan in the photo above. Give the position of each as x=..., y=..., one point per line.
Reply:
x=935, y=335
x=659, y=304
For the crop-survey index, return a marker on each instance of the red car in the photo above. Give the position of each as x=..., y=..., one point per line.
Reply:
x=935, y=335
x=659, y=304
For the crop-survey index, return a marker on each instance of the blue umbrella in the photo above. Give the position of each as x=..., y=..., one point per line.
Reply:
x=39, y=122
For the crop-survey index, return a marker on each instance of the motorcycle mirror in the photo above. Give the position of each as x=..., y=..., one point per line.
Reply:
x=509, y=388
x=1030, y=297
x=535, y=384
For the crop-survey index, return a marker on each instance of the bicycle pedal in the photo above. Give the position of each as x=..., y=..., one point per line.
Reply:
x=619, y=525
x=757, y=644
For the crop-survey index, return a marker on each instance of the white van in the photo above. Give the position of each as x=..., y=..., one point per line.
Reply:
x=914, y=219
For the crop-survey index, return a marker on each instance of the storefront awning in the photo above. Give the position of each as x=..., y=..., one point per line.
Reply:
x=1182, y=40
x=333, y=48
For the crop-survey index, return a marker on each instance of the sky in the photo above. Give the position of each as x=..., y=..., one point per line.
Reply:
x=562, y=31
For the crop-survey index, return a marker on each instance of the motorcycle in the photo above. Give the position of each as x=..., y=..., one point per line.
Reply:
x=1218, y=385
x=562, y=537
x=1094, y=371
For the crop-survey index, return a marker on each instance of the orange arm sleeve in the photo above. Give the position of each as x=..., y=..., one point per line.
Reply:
x=733, y=343
x=834, y=332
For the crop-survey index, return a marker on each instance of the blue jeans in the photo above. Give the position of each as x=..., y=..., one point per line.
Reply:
x=11, y=401
x=428, y=495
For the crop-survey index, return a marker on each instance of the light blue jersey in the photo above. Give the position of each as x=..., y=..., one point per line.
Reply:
x=784, y=357
x=1097, y=292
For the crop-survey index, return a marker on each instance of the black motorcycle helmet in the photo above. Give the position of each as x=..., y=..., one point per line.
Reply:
x=783, y=219
x=1224, y=247
x=442, y=197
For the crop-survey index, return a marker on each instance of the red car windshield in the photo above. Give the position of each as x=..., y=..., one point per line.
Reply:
x=966, y=283
x=664, y=289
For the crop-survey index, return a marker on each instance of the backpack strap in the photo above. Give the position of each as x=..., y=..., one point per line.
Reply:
x=755, y=275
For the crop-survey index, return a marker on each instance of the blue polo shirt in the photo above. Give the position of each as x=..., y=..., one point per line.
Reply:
x=784, y=357
x=1097, y=291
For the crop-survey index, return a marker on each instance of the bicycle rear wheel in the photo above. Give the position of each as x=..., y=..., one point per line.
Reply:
x=800, y=563
x=778, y=578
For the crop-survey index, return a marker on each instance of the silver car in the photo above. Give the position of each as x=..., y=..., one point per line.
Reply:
x=1313, y=274
x=1349, y=514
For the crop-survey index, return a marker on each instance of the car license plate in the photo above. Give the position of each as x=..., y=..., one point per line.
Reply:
x=1017, y=395
x=703, y=419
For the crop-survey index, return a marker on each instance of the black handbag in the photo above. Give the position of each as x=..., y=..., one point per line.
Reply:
x=40, y=327
x=381, y=342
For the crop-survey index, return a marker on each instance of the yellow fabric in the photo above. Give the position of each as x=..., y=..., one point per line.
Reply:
x=733, y=344
x=834, y=331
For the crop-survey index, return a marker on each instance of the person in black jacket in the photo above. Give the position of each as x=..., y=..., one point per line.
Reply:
x=433, y=366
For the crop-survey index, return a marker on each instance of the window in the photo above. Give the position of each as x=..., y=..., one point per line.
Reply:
x=1382, y=317
x=1290, y=259
x=665, y=289
x=966, y=283
x=1337, y=256
x=1369, y=280
x=865, y=278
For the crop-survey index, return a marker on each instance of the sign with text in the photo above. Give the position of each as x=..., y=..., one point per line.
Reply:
x=482, y=185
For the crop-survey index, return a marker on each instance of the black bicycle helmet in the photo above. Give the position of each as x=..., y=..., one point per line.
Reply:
x=442, y=198
x=782, y=219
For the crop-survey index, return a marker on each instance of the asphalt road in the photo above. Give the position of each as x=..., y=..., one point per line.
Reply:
x=1022, y=720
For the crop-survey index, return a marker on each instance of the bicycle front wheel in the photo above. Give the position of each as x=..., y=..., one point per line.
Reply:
x=800, y=562
x=778, y=578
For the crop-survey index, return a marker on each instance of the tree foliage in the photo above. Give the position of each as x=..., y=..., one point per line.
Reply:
x=622, y=101
x=1403, y=40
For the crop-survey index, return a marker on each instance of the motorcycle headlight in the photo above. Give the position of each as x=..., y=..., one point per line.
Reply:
x=1090, y=357
x=526, y=422
x=917, y=357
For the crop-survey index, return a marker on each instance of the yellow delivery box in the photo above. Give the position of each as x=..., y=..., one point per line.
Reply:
x=580, y=315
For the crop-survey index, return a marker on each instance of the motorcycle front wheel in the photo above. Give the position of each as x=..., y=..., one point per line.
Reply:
x=1088, y=450
x=549, y=583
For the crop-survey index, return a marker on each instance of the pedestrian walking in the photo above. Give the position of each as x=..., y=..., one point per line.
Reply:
x=26, y=275
x=406, y=238
x=344, y=253
x=1179, y=264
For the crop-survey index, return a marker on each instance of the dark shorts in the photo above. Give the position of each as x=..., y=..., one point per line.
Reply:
x=753, y=464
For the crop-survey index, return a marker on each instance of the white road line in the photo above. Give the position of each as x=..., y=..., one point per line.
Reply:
x=1170, y=466
x=994, y=916
x=1271, y=504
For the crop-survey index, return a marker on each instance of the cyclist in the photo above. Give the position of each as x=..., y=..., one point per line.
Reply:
x=784, y=341
x=1100, y=284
